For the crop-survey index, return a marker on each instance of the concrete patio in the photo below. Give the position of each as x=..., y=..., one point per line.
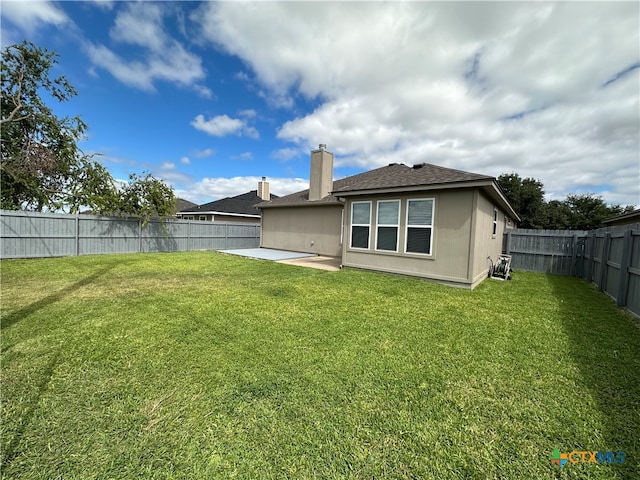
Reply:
x=292, y=258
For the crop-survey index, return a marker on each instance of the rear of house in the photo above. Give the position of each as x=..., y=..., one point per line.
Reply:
x=425, y=221
x=443, y=234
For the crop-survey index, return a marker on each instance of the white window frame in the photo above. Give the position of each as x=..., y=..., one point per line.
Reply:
x=407, y=226
x=368, y=225
x=494, y=231
x=202, y=218
x=396, y=225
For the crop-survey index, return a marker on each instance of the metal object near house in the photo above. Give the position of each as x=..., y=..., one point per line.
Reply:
x=501, y=268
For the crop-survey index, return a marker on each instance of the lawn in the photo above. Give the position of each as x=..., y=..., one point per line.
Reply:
x=203, y=365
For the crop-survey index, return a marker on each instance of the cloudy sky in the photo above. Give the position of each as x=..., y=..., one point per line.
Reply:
x=212, y=96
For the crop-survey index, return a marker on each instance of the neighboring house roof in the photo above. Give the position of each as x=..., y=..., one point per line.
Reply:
x=624, y=218
x=397, y=177
x=240, y=205
x=182, y=204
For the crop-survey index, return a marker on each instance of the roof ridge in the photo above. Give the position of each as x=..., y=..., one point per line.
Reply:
x=242, y=203
x=391, y=176
x=455, y=170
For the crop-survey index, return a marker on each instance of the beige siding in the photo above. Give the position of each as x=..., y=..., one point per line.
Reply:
x=303, y=229
x=486, y=243
x=449, y=261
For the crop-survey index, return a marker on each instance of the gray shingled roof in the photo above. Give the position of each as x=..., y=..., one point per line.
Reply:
x=395, y=175
x=182, y=204
x=240, y=204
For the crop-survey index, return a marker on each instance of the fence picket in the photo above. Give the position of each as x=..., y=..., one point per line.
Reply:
x=557, y=252
x=35, y=234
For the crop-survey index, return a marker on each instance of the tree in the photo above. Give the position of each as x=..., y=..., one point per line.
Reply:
x=146, y=197
x=557, y=215
x=41, y=162
x=589, y=211
x=526, y=196
x=41, y=166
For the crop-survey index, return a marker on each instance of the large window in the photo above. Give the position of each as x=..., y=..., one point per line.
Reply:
x=388, y=225
x=419, y=226
x=360, y=224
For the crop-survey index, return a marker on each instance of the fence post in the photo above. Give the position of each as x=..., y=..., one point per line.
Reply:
x=140, y=235
x=508, y=247
x=625, y=262
x=604, y=259
x=77, y=234
x=592, y=253
x=574, y=254
x=226, y=236
x=188, y=235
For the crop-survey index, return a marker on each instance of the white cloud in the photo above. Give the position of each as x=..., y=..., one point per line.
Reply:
x=30, y=15
x=217, y=126
x=164, y=58
x=207, y=152
x=140, y=25
x=168, y=166
x=486, y=87
x=185, y=160
x=214, y=188
x=204, y=92
x=286, y=154
x=223, y=125
x=103, y=4
x=134, y=74
x=243, y=156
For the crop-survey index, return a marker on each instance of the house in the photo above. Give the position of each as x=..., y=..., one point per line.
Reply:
x=425, y=220
x=240, y=208
x=182, y=204
x=627, y=218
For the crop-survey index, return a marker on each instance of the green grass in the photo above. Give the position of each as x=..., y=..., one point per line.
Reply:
x=202, y=365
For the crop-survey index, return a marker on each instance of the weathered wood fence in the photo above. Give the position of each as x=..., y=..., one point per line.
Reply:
x=33, y=234
x=608, y=258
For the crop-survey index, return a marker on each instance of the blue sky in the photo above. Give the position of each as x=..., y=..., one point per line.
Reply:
x=212, y=96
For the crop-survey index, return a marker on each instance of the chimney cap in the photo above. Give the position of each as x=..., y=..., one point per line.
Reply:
x=264, y=179
x=322, y=146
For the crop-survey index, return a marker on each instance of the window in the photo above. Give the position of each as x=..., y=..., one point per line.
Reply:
x=419, y=226
x=360, y=224
x=495, y=223
x=203, y=217
x=387, y=225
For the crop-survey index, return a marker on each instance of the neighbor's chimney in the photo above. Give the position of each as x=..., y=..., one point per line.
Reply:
x=263, y=189
x=321, y=177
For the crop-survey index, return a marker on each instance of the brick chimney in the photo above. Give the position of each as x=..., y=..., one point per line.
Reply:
x=321, y=176
x=263, y=189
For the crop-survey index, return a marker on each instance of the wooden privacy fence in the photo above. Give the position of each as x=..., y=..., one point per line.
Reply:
x=608, y=258
x=34, y=234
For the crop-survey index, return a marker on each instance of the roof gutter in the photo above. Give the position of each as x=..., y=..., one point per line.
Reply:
x=305, y=203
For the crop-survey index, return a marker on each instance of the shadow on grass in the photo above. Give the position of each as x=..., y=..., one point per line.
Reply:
x=12, y=450
x=7, y=320
x=605, y=346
